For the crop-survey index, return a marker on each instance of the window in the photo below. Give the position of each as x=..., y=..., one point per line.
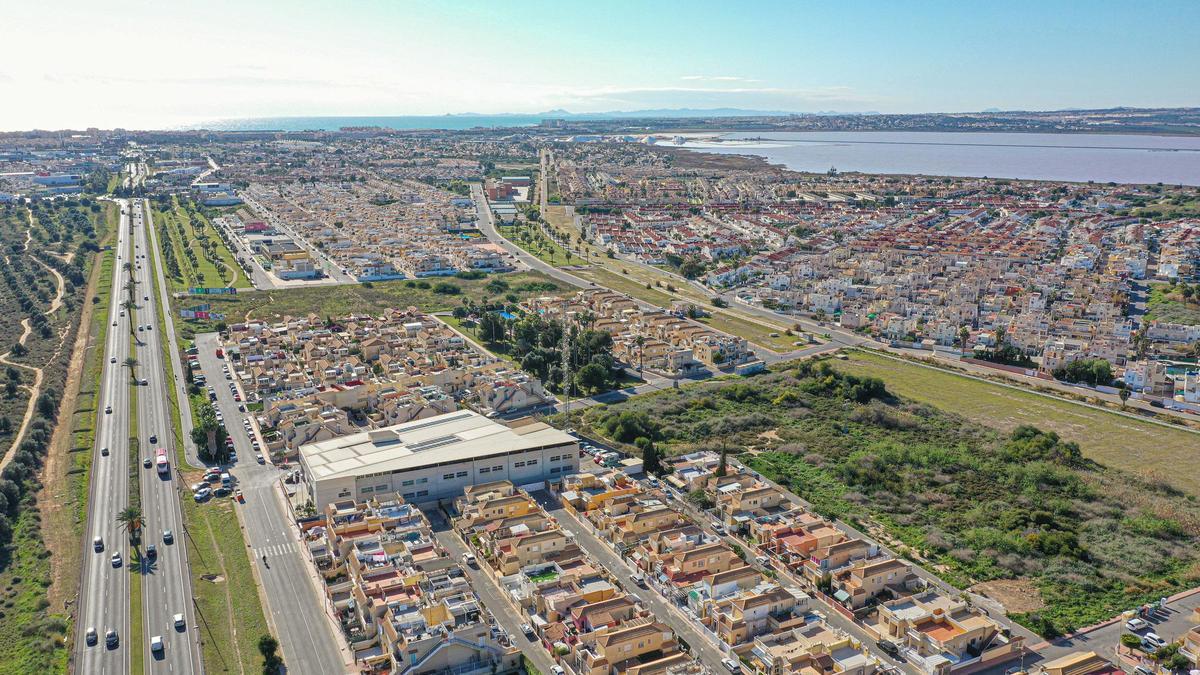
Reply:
x=422, y=481
x=462, y=474
x=485, y=470
x=517, y=465
x=423, y=493
x=410, y=495
x=448, y=476
x=555, y=458
x=532, y=462
x=498, y=468
x=407, y=483
x=555, y=470
x=367, y=489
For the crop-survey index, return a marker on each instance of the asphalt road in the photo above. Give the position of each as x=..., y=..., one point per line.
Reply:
x=104, y=589
x=296, y=611
x=702, y=647
x=506, y=615
x=166, y=579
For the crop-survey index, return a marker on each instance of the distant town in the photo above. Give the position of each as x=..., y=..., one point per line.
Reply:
x=575, y=399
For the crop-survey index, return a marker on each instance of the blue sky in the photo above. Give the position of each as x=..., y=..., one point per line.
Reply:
x=142, y=64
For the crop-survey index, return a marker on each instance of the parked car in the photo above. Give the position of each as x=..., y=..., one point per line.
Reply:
x=1154, y=640
x=527, y=630
x=259, y=458
x=468, y=559
x=202, y=494
x=889, y=648
x=1135, y=624
x=731, y=665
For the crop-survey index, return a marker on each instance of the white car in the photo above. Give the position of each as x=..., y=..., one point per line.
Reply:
x=1154, y=639
x=1135, y=624
x=156, y=643
x=180, y=624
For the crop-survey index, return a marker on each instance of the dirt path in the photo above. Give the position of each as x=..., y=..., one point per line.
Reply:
x=34, y=390
x=60, y=287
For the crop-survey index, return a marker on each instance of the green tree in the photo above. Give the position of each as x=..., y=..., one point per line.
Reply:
x=130, y=519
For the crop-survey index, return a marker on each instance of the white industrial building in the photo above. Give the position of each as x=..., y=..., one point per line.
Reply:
x=435, y=458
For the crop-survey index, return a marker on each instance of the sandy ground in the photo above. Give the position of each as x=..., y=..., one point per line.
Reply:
x=1016, y=595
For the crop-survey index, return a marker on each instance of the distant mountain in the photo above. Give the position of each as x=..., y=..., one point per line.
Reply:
x=659, y=113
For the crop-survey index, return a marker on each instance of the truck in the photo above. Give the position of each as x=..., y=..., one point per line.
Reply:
x=160, y=461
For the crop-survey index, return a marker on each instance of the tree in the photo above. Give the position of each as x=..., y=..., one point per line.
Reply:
x=650, y=455
x=268, y=646
x=130, y=519
x=723, y=465
x=700, y=499
x=1124, y=394
x=640, y=341
x=1131, y=641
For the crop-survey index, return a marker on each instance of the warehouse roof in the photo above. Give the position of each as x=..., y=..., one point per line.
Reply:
x=443, y=439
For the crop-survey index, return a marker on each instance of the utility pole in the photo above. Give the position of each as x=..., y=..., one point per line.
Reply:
x=566, y=361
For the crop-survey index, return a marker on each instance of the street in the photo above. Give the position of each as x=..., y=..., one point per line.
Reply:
x=295, y=609
x=166, y=578
x=104, y=589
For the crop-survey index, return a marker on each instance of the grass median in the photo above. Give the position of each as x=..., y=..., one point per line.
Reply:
x=136, y=637
x=229, y=612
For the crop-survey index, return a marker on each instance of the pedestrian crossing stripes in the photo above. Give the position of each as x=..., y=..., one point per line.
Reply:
x=289, y=548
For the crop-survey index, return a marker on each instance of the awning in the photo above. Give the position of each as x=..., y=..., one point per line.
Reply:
x=841, y=596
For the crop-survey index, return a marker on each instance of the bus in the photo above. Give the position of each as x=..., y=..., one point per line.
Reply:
x=160, y=460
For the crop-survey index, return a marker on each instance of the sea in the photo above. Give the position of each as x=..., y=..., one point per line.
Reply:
x=1102, y=158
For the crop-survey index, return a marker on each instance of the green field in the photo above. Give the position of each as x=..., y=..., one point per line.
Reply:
x=1165, y=305
x=1155, y=451
x=371, y=297
x=186, y=229
x=229, y=614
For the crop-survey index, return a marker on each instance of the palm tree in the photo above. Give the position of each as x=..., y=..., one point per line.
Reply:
x=640, y=341
x=130, y=519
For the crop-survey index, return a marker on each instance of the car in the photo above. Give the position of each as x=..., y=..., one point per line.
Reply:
x=468, y=558
x=98, y=544
x=90, y=635
x=718, y=528
x=141, y=328
x=145, y=297
x=1135, y=624
x=888, y=647
x=640, y=580
x=1142, y=670
x=104, y=451
x=152, y=551
x=116, y=559
x=237, y=398
x=1154, y=640
x=731, y=665
x=237, y=494
x=168, y=537
x=149, y=327
x=110, y=638
x=179, y=623
x=113, y=360
x=557, y=670
x=762, y=560
x=153, y=438
x=241, y=408
x=146, y=463
x=196, y=487
x=145, y=382
x=114, y=323
x=203, y=494
x=108, y=410
x=233, y=458
x=259, y=458
x=156, y=644
x=221, y=491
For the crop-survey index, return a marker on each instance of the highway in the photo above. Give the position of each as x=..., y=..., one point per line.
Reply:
x=104, y=589
x=295, y=609
x=166, y=579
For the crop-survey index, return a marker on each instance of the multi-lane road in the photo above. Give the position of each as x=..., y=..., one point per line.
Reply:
x=166, y=580
x=104, y=588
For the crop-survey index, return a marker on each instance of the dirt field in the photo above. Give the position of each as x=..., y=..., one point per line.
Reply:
x=1017, y=595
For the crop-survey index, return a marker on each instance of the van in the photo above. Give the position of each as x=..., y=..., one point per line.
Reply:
x=226, y=479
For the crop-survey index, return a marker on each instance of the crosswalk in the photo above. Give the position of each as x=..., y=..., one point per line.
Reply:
x=290, y=548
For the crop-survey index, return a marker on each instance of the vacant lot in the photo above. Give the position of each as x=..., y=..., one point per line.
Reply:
x=430, y=295
x=194, y=253
x=1157, y=452
x=1168, y=304
x=979, y=504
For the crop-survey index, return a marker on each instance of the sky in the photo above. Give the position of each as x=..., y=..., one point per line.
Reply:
x=166, y=63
